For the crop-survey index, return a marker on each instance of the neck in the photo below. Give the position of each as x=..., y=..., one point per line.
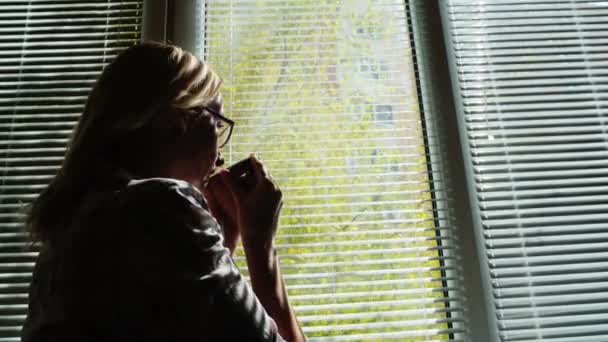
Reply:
x=182, y=172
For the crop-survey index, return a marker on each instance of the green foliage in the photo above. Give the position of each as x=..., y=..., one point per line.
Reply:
x=357, y=225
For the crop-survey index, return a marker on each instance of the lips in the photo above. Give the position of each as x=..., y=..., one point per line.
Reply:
x=219, y=161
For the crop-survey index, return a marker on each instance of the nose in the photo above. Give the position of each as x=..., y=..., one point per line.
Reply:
x=220, y=159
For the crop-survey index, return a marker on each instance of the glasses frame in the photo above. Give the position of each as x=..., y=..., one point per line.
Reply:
x=226, y=120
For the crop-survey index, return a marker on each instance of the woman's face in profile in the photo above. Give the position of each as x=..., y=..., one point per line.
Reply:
x=212, y=157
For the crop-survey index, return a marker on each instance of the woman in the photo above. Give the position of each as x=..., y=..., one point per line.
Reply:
x=131, y=249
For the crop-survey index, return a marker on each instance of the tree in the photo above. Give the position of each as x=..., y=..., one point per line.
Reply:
x=324, y=92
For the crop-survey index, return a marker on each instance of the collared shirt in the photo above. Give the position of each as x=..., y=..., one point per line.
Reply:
x=145, y=261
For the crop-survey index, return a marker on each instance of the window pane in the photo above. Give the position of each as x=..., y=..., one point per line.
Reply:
x=531, y=82
x=325, y=92
x=51, y=52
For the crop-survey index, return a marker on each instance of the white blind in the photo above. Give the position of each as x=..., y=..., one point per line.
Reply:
x=531, y=88
x=326, y=93
x=50, y=55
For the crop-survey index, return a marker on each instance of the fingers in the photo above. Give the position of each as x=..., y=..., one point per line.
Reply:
x=258, y=169
x=221, y=189
x=262, y=174
x=230, y=186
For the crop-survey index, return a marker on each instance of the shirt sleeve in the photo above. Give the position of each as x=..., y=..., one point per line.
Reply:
x=178, y=280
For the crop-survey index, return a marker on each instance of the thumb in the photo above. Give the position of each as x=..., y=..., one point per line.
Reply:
x=232, y=187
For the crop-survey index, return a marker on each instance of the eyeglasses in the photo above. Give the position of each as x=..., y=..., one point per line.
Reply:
x=225, y=127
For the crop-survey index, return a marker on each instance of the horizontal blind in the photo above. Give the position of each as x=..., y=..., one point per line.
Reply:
x=531, y=86
x=51, y=52
x=325, y=92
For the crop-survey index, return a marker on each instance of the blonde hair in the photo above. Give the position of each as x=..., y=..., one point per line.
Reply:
x=138, y=107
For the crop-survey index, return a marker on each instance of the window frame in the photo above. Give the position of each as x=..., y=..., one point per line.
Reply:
x=173, y=21
x=437, y=98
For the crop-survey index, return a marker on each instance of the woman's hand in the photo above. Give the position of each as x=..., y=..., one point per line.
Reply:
x=257, y=215
x=252, y=216
x=258, y=210
x=223, y=207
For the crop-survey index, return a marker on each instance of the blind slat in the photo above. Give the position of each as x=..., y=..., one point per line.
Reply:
x=311, y=102
x=51, y=54
x=530, y=87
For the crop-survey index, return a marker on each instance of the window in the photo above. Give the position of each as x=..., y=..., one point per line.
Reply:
x=532, y=109
x=366, y=24
x=372, y=68
x=349, y=102
x=51, y=54
x=383, y=114
x=361, y=242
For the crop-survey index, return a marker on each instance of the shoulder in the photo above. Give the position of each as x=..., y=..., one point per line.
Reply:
x=170, y=208
x=172, y=198
x=168, y=189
